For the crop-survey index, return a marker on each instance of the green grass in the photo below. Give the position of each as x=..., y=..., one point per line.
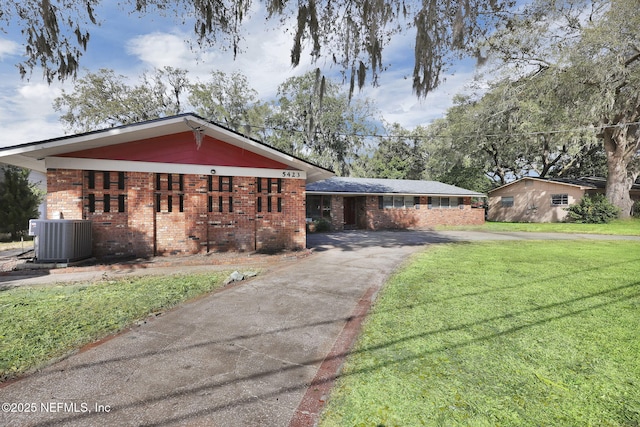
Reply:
x=500, y=334
x=618, y=227
x=4, y=246
x=41, y=323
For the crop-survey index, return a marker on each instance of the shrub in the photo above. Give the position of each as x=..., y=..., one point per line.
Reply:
x=594, y=209
x=635, y=211
x=322, y=225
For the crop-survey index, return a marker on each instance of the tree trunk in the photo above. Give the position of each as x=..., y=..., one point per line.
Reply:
x=618, y=181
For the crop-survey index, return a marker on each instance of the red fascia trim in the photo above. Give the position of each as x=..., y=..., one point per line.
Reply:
x=180, y=148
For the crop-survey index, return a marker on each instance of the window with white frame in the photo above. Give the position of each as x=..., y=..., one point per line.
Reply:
x=397, y=202
x=559, y=199
x=444, y=202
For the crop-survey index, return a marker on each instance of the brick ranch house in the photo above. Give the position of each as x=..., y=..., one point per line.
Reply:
x=532, y=199
x=181, y=184
x=364, y=203
x=174, y=185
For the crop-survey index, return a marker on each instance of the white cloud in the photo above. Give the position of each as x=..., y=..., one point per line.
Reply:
x=26, y=114
x=398, y=103
x=161, y=49
x=264, y=60
x=8, y=47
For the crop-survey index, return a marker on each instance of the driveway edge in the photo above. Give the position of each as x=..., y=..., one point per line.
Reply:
x=308, y=412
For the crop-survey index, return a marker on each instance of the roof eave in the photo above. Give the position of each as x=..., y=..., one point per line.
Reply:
x=32, y=155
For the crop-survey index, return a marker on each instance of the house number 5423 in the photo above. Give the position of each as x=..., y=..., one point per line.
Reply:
x=289, y=174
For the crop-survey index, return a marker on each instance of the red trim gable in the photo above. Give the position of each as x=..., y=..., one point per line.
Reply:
x=180, y=148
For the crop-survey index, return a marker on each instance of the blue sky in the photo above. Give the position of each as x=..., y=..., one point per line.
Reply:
x=130, y=45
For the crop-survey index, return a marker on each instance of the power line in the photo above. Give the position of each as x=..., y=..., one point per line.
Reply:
x=477, y=135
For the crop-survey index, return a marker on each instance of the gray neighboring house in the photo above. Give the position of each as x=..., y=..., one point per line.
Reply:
x=373, y=204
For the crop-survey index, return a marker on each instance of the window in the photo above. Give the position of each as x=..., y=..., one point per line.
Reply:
x=559, y=199
x=106, y=203
x=225, y=182
x=443, y=202
x=106, y=180
x=121, y=206
x=318, y=207
x=266, y=185
x=506, y=201
x=398, y=202
x=120, y=180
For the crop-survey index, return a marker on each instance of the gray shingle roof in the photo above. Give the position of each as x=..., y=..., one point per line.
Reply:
x=387, y=186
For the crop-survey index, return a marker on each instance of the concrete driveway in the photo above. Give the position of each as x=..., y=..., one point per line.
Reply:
x=244, y=356
x=261, y=353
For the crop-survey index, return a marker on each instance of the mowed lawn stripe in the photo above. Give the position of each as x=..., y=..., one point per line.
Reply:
x=510, y=333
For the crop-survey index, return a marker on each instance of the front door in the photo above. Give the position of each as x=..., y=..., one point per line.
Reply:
x=350, y=213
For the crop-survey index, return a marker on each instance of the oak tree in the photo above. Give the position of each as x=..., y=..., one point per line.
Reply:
x=351, y=35
x=104, y=99
x=594, y=47
x=229, y=100
x=313, y=117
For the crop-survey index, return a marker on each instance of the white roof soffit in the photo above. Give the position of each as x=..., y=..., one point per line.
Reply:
x=32, y=155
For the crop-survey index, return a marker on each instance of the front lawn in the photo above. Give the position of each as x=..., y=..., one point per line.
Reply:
x=511, y=334
x=629, y=227
x=41, y=323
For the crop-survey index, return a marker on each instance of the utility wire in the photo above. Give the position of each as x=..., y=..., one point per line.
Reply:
x=488, y=135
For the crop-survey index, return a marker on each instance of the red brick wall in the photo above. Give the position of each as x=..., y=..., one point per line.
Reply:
x=337, y=213
x=196, y=221
x=423, y=217
x=140, y=211
x=284, y=229
x=64, y=194
x=232, y=227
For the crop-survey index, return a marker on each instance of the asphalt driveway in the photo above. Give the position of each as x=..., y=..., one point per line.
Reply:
x=264, y=352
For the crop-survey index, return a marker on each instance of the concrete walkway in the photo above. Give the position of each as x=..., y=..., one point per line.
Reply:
x=261, y=353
